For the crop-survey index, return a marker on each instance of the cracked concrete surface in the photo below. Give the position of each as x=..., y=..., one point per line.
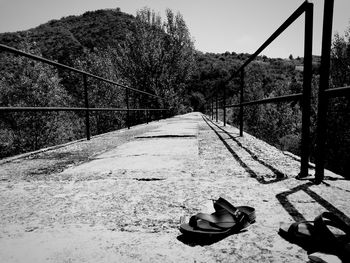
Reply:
x=120, y=197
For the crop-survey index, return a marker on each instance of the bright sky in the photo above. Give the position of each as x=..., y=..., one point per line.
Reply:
x=216, y=26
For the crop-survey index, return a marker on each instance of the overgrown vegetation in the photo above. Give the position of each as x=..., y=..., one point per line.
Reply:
x=155, y=55
x=142, y=52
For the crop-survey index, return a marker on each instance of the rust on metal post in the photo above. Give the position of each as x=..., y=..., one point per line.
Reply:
x=306, y=98
x=241, y=106
x=324, y=85
x=87, y=115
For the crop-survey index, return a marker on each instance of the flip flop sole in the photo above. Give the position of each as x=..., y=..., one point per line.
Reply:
x=225, y=220
x=189, y=230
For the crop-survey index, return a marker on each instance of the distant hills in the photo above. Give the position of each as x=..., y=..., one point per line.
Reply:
x=66, y=38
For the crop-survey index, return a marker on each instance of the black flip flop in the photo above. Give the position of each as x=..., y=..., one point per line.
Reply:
x=338, y=244
x=225, y=220
x=300, y=233
x=317, y=236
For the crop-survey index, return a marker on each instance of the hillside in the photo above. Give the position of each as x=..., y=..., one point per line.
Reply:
x=145, y=52
x=66, y=38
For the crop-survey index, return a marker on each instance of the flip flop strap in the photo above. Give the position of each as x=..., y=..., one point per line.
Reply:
x=223, y=204
x=323, y=231
x=293, y=229
x=214, y=222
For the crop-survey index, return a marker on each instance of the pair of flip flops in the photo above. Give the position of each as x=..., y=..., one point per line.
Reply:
x=226, y=219
x=326, y=234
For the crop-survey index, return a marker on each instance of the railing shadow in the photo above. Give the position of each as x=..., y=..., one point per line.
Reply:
x=279, y=176
x=293, y=211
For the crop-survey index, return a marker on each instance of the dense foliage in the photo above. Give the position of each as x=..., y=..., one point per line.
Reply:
x=338, y=129
x=141, y=52
x=28, y=83
x=279, y=124
x=158, y=57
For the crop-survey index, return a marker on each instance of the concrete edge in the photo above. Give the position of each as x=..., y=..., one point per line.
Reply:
x=55, y=147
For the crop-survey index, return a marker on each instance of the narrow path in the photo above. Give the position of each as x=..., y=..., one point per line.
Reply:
x=123, y=202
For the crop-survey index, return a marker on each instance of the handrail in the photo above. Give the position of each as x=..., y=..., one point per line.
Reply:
x=31, y=109
x=292, y=97
x=87, y=109
x=304, y=97
x=53, y=63
x=301, y=9
x=337, y=92
x=324, y=91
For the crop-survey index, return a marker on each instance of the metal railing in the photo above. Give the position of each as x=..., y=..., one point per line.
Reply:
x=87, y=109
x=324, y=91
x=304, y=97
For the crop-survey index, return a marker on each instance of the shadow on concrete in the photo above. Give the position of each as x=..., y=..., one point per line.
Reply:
x=193, y=241
x=326, y=178
x=279, y=176
x=296, y=215
x=311, y=244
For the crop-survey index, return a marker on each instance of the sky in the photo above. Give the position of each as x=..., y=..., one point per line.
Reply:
x=218, y=26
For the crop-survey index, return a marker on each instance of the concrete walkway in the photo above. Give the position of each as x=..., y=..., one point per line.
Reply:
x=124, y=203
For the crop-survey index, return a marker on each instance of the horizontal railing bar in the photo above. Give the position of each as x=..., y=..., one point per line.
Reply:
x=53, y=63
x=31, y=109
x=301, y=9
x=338, y=92
x=292, y=97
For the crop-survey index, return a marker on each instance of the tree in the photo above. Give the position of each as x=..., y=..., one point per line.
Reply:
x=25, y=82
x=158, y=57
x=341, y=59
x=102, y=94
x=338, y=116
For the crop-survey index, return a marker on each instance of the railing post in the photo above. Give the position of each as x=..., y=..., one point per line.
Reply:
x=87, y=113
x=224, y=106
x=324, y=85
x=134, y=121
x=306, y=99
x=241, y=106
x=128, y=110
x=211, y=107
x=217, y=104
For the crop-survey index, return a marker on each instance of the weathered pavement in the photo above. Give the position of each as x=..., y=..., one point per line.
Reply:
x=123, y=201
